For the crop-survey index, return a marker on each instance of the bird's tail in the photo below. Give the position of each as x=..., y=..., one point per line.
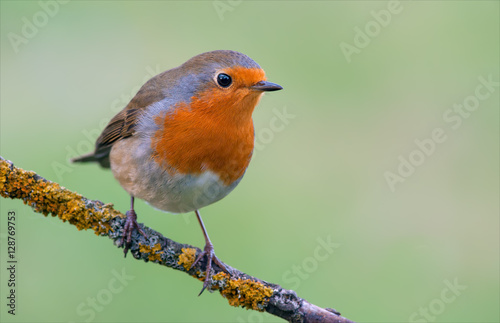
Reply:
x=99, y=156
x=90, y=157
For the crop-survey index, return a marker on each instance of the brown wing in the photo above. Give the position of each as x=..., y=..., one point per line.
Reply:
x=121, y=126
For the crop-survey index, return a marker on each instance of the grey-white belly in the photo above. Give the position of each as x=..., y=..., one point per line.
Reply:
x=144, y=178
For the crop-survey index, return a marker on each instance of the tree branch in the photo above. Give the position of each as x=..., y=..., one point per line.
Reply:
x=239, y=289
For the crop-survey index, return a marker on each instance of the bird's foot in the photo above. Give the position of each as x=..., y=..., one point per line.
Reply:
x=130, y=225
x=211, y=258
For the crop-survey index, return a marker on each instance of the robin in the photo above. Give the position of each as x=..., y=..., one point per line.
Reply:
x=186, y=138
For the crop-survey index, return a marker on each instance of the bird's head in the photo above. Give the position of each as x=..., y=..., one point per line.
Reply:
x=229, y=84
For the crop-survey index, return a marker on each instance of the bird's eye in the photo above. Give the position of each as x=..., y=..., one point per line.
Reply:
x=224, y=80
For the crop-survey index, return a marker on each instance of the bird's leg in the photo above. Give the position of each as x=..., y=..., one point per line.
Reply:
x=130, y=225
x=211, y=257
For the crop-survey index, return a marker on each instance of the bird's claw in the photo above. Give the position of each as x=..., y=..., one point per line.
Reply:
x=211, y=258
x=130, y=225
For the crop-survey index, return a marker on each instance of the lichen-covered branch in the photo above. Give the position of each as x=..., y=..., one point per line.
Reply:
x=239, y=289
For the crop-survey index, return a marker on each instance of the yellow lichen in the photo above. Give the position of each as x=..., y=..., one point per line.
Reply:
x=154, y=252
x=247, y=293
x=186, y=258
x=48, y=197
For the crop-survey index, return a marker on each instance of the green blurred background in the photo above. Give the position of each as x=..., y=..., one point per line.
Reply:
x=320, y=177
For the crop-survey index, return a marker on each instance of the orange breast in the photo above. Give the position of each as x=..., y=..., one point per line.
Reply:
x=213, y=132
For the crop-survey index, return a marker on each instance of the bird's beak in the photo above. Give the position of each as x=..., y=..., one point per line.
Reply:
x=266, y=86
